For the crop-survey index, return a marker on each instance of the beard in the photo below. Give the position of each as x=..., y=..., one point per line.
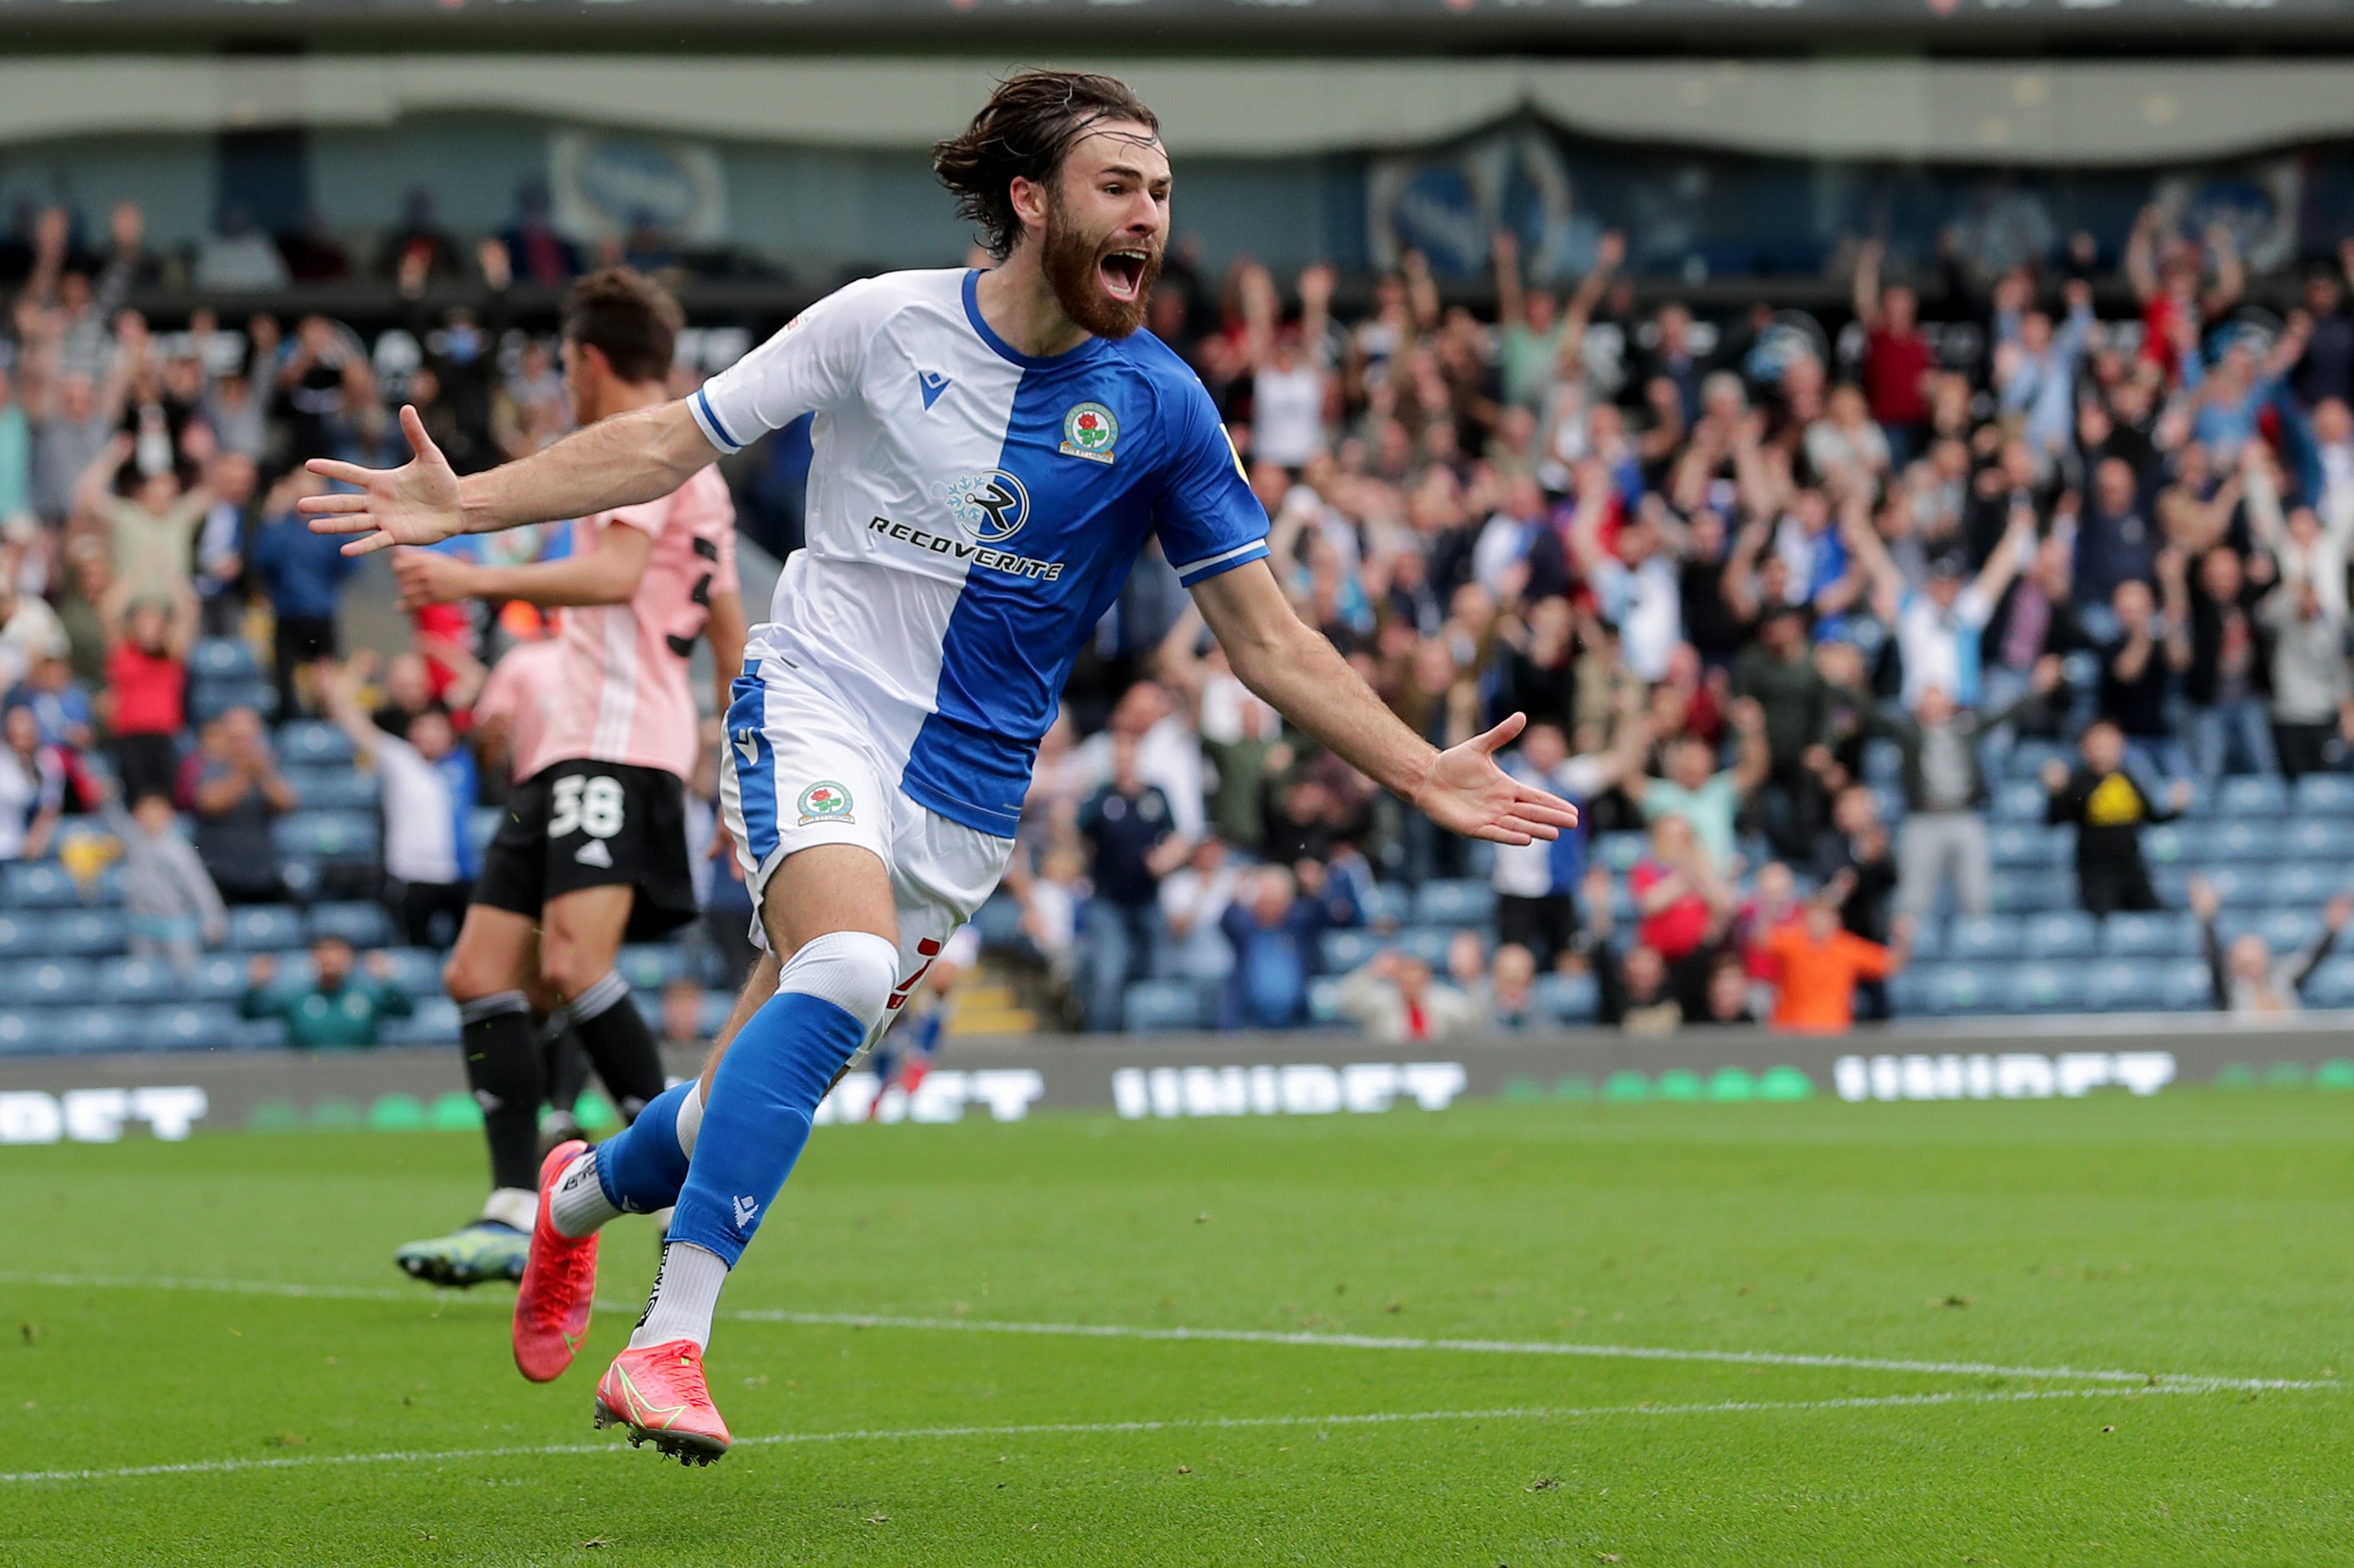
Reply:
x=1074, y=264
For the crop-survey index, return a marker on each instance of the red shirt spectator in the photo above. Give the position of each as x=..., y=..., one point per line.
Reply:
x=1897, y=360
x=149, y=689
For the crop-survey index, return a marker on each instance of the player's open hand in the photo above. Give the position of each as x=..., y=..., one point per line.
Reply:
x=415, y=504
x=1466, y=792
x=427, y=577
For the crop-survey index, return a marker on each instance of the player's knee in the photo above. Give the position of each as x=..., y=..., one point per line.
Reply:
x=467, y=978
x=855, y=970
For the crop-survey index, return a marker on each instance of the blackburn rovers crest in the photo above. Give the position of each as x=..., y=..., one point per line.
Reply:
x=1088, y=431
x=825, y=801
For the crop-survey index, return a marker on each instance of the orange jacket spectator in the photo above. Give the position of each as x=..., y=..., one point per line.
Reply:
x=1817, y=965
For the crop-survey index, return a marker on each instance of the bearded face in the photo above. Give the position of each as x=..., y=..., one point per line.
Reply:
x=1101, y=277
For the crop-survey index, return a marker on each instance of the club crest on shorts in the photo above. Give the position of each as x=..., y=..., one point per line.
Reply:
x=1088, y=431
x=825, y=801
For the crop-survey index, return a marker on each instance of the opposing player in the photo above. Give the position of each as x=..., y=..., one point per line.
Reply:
x=993, y=448
x=592, y=850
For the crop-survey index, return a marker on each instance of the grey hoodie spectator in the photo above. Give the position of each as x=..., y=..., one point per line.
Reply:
x=172, y=901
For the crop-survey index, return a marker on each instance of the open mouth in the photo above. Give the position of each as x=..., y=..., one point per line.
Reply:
x=1122, y=274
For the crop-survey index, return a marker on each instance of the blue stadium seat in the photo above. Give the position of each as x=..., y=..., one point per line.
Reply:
x=998, y=922
x=1385, y=904
x=2174, y=843
x=2260, y=795
x=216, y=977
x=2062, y=934
x=2234, y=841
x=208, y=700
x=2126, y=985
x=40, y=885
x=2326, y=794
x=223, y=659
x=2302, y=884
x=334, y=789
x=1949, y=989
x=2317, y=839
x=207, y=1027
x=2162, y=935
x=49, y=982
x=2238, y=886
x=2026, y=758
x=20, y=936
x=650, y=966
x=1571, y=999
x=85, y=931
x=1618, y=852
x=416, y=970
x=360, y=924
x=132, y=981
x=2018, y=891
x=435, y=1023
x=1345, y=950
x=1929, y=939
x=1979, y=937
x=334, y=837
x=1908, y=991
x=2283, y=930
x=1324, y=1001
x=1165, y=1004
x=1428, y=943
x=301, y=876
x=94, y=1028
x=2045, y=987
x=2332, y=985
x=263, y=927
x=24, y=1031
x=2020, y=800
x=2185, y=985
x=313, y=743
x=1459, y=903
x=2023, y=845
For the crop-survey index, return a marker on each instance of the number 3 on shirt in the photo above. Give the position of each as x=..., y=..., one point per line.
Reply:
x=590, y=805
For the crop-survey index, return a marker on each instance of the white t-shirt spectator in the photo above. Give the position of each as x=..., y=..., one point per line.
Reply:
x=422, y=830
x=1941, y=646
x=1503, y=543
x=1287, y=414
x=1548, y=866
x=21, y=794
x=1647, y=606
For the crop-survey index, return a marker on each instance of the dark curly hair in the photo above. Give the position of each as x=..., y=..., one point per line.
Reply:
x=629, y=318
x=1026, y=128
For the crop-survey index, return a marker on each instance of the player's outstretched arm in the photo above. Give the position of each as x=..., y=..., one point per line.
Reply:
x=1303, y=676
x=622, y=462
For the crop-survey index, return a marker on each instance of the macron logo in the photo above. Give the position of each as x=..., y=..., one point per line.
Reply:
x=748, y=746
x=747, y=1211
x=931, y=383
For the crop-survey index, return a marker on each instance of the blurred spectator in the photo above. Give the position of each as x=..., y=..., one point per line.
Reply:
x=2108, y=807
x=1194, y=901
x=304, y=575
x=1128, y=832
x=2310, y=688
x=1507, y=992
x=16, y=451
x=336, y=1010
x=2137, y=666
x=419, y=240
x=238, y=793
x=428, y=788
x=2225, y=681
x=1942, y=842
x=1728, y=994
x=541, y=255
x=1632, y=990
x=172, y=905
x=230, y=480
x=453, y=385
x=2244, y=976
x=1684, y=903
x=32, y=788
x=238, y=259
x=1697, y=794
x=1274, y=924
x=29, y=630
x=1858, y=872
x=153, y=527
x=1051, y=901
x=1818, y=964
x=147, y=684
x=1536, y=883
x=1394, y=999
x=1897, y=360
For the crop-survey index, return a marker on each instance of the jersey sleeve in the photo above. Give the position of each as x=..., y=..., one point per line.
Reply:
x=811, y=364
x=1208, y=520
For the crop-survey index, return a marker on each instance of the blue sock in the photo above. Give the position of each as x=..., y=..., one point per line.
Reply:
x=762, y=1097
x=641, y=1166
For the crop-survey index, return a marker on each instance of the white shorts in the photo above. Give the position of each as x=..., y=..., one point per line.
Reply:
x=800, y=770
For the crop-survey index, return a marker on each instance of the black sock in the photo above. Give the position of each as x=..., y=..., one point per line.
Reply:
x=510, y=1083
x=619, y=1042
x=568, y=1067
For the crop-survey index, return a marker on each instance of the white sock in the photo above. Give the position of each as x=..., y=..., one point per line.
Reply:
x=690, y=1118
x=579, y=1205
x=513, y=1207
x=686, y=1293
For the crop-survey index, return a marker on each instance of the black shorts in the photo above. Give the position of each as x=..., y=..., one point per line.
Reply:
x=593, y=824
x=1546, y=926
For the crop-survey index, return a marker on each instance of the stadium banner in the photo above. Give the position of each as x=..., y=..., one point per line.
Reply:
x=101, y=1097
x=604, y=185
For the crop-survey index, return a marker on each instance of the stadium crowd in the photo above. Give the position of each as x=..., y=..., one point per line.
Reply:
x=1787, y=612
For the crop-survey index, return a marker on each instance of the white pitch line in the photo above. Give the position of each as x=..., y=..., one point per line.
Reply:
x=1222, y=1336
x=1108, y=1428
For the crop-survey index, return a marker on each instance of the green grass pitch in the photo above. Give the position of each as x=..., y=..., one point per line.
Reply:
x=2186, y=1259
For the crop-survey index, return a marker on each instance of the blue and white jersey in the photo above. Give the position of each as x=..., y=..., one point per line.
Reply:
x=972, y=511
